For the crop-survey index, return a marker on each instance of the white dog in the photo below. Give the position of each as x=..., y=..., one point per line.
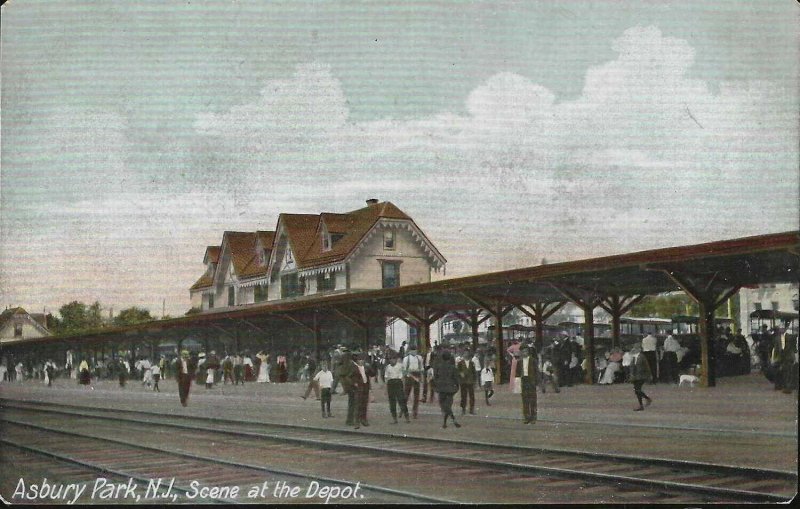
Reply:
x=689, y=379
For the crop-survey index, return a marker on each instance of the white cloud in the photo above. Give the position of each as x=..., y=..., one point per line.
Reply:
x=646, y=156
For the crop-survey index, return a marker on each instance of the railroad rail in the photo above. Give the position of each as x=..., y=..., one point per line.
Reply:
x=624, y=478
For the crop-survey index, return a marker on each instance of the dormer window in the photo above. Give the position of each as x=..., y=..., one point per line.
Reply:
x=388, y=240
x=336, y=237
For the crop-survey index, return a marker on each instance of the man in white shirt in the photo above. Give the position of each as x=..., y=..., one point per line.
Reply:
x=649, y=344
x=627, y=358
x=670, y=361
x=324, y=380
x=412, y=371
x=394, y=388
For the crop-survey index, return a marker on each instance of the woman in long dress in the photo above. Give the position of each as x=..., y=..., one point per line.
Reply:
x=83, y=369
x=513, y=351
x=263, y=368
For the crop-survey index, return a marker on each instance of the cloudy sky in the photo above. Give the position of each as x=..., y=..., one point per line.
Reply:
x=135, y=133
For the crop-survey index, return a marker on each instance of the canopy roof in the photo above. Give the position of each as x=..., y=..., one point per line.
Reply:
x=720, y=266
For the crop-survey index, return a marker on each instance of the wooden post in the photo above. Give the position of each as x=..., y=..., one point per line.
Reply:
x=617, y=306
x=317, y=336
x=588, y=341
x=474, y=323
x=705, y=328
x=708, y=298
x=499, y=350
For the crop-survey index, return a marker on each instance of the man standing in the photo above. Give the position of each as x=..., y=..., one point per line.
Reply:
x=649, y=350
x=186, y=367
x=526, y=372
x=363, y=386
x=238, y=370
x=670, y=360
x=412, y=371
x=640, y=373
x=783, y=356
x=312, y=384
x=466, y=382
x=394, y=388
x=347, y=376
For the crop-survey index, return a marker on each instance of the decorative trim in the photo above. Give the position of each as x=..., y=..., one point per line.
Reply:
x=321, y=270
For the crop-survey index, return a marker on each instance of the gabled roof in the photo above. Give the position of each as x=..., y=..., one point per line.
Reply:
x=244, y=257
x=266, y=238
x=204, y=282
x=304, y=232
x=212, y=254
x=301, y=232
x=38, y=319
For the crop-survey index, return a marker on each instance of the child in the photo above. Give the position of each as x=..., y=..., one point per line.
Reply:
x=487, y=377
x=325, y=379
x=155, y=372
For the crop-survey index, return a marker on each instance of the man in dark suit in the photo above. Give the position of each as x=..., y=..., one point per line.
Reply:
x=185, y=368
x=526, y=372
x=466, y=380
x=348, y=374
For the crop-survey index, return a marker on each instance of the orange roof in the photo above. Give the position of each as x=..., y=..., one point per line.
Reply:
x=204, y=282
x=303, y=231
x=246, y=261
x=212, y=254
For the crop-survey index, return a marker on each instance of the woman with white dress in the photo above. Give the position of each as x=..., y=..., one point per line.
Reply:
x=263, y=368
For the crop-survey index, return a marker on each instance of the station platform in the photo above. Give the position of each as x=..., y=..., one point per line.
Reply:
x=742, y=421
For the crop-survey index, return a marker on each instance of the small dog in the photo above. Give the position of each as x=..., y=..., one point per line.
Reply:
x=689, y=379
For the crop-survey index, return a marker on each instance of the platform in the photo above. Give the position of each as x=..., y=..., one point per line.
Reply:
x=742, y=421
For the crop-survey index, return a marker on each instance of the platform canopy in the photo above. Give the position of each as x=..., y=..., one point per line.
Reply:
x=710, y=273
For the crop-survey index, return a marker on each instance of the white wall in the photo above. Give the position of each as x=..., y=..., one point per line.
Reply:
x=765, y=295
x=365, y=269
x=28, y=331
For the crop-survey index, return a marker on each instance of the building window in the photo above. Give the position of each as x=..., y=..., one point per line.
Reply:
x=390, y=274
x=775, y=305
x=17, y=330
x=210, y=301
x=260, y=293
x=757, y=306
x=326, y=282
x=292, y=285
x=231, y=296
x=336, y=237
x=388, y=240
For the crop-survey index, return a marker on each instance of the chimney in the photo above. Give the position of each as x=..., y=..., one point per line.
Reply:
x=372, y=201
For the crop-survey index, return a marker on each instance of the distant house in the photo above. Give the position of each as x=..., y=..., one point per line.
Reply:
x=378, y=246
x=17, y=324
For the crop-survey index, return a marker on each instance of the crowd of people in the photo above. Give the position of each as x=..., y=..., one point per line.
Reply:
x=410, y=378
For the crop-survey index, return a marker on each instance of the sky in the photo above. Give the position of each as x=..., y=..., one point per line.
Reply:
x=135, y=133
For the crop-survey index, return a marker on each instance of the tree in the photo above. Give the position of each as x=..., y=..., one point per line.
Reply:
x=77, y=317
x=132, y=316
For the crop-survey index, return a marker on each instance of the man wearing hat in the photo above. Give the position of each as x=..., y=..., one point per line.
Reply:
x=412, y=371
x=526, y=372
x=185, y=369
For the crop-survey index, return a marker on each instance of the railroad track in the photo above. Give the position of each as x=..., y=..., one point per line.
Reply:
x=125, y=472
x=603, y=477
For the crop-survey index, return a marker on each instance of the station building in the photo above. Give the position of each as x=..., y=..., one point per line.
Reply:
x=374, y=247
x=16, y=324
